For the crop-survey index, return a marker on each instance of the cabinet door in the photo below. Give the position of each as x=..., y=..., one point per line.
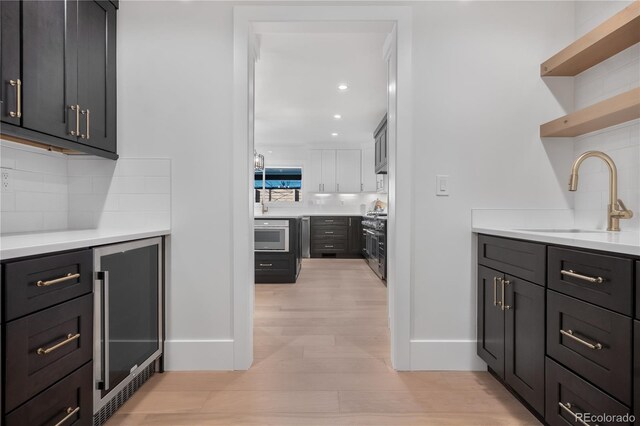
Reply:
x=315, y=174
x=369, y=169
x=97, y=73
x=348, y=170
x=329, y=170
x=10, y=60
x=490, y=319
x=525, y=340
x=636, y=368
x=384, y=149
x=355, y=235
x=50, y=68
x=377, y=153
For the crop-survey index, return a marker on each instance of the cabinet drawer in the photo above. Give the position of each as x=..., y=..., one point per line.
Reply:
x=271, y=264
x=638, y=290
x=28, y=368
x=329, y=220
x=603, y=353
x=69, y=399
x=31, y=285
x=605, y=281
x=330, y=232
x=576, y=395
x=521, y=259
x=329, y=247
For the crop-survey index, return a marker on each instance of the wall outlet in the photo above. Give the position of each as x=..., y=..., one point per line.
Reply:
x=6, y=180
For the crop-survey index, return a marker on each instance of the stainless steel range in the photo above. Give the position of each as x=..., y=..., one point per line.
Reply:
x=374, y=250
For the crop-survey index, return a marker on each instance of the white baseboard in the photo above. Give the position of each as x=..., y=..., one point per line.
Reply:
x=198, y=355
x=459, y=355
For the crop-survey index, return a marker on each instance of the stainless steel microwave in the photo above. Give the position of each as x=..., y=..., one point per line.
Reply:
x=271, y=235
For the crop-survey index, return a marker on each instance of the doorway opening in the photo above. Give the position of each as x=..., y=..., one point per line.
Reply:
x=277, y=128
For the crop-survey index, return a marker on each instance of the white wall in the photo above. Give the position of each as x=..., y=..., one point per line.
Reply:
x=616, y=75
x=311, y=202
x=479, y=100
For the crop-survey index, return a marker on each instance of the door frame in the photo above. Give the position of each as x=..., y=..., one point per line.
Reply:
x=399, y=225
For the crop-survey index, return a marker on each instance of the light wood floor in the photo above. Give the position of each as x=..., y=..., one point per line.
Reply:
x=322, y=358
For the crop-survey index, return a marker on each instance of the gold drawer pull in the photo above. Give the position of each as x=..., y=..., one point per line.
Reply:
x=70, y=338
x=266, y=264
x=569, y=333
x=503, y=305
x=328, y=246
x=70, y=413
x=17, y=83
x=328, y=232
x=574, y=274
x=67, y=277
x=567, y=407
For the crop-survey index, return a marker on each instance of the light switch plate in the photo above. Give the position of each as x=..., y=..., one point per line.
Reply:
x=442, y=185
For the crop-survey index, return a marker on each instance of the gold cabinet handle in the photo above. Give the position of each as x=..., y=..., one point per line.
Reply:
x=70, y=338
x=87, y=112
x=17, y=83
x=266, y=264
x=495, y=291
x=326, y=246
x=76, y=109
x=70, y=413
x=328, y=232
x=67, y=277
x=504, y=284
x=574, y=274
x=569, y=333
x=568, y=408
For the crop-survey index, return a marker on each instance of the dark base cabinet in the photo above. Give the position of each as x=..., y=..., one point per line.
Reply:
x=336, y=236
x=569, y=397
x=570, y=350
x=70, y=401
x=511, y=331
x=281, y=267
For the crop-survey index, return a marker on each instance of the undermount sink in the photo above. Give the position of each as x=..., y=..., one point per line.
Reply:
x=565, y=231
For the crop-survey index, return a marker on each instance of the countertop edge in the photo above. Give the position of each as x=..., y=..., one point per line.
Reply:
x=608, y=246
x=32, y=247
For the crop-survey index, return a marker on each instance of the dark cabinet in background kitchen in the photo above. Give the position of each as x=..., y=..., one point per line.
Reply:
x=336, y=236
x=382, y=146
x=65, y=62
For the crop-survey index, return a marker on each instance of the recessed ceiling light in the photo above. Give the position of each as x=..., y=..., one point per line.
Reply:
x=342, y=87
x=334, y=134
x=337, y=116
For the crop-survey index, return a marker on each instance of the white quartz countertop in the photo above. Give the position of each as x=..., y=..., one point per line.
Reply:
x=34, y=243
x=624, y=242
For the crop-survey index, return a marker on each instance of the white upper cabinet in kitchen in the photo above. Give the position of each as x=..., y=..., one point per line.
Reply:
x=323, y=170
x=368, y=164
x=348, y=170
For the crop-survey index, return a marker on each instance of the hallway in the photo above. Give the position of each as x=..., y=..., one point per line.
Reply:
x=321, y=357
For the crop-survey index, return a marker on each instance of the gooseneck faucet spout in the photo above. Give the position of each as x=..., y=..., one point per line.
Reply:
x=616, y=209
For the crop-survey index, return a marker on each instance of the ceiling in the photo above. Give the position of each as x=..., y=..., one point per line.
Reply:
x=297, y=80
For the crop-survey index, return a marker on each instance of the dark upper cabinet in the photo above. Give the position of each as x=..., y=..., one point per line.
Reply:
x=96, y=73
x=382, y=149
x=49, y=67
x=11, y=77
x=67, y=64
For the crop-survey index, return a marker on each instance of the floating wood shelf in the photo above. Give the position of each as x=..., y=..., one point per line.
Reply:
x=607, y=113
x=614, y=35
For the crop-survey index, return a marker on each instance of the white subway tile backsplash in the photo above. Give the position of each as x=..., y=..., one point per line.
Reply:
x=615, y=75
x=50, y=191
